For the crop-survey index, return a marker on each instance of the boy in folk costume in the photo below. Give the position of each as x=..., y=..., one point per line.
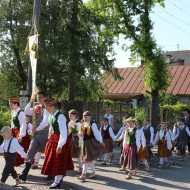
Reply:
x=186, y=113
x=92, y=146
x=18, y=126
x=40, y=131
x=74, y=127
x=107, y=135
x=182, y=136
x=164, y=145
x=131, y=145
x=58, y=157
x=142, y=152
x=149, y=136
x=10, y=147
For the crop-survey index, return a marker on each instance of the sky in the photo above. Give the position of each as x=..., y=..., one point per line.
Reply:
x=171, y=29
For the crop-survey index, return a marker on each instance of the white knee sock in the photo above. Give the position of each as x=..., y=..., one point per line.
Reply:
x=92, y=165
x=161, y=161
x=80, y=162
x=58, y=178
x=145, y=162
x=37, y=157
x=84, y=168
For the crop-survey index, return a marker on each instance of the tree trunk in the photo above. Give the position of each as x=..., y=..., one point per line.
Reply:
x=74, y=56
x=154, y=109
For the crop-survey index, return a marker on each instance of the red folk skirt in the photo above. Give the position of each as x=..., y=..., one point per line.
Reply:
x=130, y=156
x=25, y=144
x=57, y=164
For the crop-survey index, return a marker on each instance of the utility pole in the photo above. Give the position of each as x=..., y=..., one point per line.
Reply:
x=35, y=26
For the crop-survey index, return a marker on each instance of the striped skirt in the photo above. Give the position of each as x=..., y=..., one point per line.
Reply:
x=108, y=145
x=25, y=144
x=57, y=164
x=162, y=149
x=130, y=156
x=91, y=150
x=142, y=154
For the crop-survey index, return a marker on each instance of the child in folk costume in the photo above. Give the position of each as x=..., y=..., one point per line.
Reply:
x=18, y=126
x=149, y=136
x=119, y=142
x=92, y=146
x=131, y=145
x=107, y=135
x=142, y=152
x=164, y=145
x=76, y=140
x=182, y=136
x=9, y=147
x=57, y=158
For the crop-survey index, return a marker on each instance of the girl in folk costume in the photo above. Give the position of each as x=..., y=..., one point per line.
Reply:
x=164, y=144
x=74, y=126
x=92, y=146
x=57, y=158
x=107, y=135
x=131, y=145
x=142, y=152
x=18, y=126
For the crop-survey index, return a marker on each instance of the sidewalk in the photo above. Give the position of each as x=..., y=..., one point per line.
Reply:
x=176, y=177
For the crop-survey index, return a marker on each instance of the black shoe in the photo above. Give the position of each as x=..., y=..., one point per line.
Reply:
x=23, y=175
x=57, y=186
x=49, y=177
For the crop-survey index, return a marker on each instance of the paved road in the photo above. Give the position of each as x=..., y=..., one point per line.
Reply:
x=109, y=178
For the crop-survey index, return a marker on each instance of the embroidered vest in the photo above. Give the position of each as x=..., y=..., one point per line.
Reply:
x=87, y=131
x=183, y=136
x=39, y=112
x=54, y=123
x=105, y=133
x=16, y=120
x=131, y=139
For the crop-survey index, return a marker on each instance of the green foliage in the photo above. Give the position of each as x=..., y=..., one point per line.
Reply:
x=140, y=114
x=157, y=76
x=167, y=99
x=5, y=117
x=173, y=111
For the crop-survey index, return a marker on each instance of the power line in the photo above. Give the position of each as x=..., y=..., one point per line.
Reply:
x=178, y=7
x=187, y=24
x=172, y=24
x=184, y=4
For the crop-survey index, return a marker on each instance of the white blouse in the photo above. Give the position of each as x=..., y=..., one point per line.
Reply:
x=137, y=136
x=22, y=122
x=110, y=132
x=160, y=135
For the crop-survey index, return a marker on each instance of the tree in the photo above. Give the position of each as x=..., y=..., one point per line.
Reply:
x=131, y=18
x=72, y=54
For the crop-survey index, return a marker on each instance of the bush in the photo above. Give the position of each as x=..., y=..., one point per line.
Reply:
x=173, y=111
x=5, y=117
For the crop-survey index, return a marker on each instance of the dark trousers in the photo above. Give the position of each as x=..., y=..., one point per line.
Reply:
x=189, y=144
x=149, y=151
x=9, y=167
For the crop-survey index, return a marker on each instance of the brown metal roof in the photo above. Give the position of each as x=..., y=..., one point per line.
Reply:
x=133, y=84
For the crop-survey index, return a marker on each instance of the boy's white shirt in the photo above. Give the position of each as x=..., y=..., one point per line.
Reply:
x=15, y=147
